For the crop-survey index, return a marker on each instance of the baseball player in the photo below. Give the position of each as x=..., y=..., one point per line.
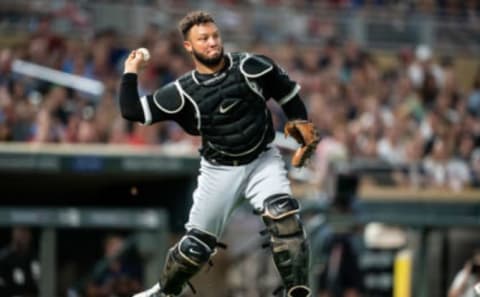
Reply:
x=223, y=100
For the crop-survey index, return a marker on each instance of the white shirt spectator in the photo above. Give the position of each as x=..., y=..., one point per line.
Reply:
x=416, y=71
x=453, y=173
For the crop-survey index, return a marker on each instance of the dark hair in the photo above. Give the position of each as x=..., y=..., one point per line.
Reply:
x=194, y=18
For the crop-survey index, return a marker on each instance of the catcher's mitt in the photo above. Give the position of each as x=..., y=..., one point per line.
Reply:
x=304, y=133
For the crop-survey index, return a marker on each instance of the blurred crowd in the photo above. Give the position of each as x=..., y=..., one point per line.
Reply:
x=414, y=114
x=440, y=7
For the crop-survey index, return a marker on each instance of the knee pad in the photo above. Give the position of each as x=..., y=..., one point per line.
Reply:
x=196, y=247
x=185, y=259
x=287, y=240
x=280, y=214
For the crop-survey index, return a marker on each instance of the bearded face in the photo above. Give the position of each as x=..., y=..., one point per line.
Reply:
x=205, y=44
x=209, y=61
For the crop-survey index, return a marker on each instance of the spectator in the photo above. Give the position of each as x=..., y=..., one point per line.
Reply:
x=122, y=276
x=466, y=278
x=342, y=276
x=331, y=149
x=390, y=147
x=444, y=172
x=19, y=266
x=51, y=117
x=423, y=66
x=6, y=56
x=474, y=97
x=475, y=166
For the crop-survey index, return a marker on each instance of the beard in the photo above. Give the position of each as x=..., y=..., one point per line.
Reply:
x=209, y=62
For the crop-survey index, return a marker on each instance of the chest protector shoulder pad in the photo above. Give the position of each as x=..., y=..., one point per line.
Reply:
x=254, y=66
x=168, y=99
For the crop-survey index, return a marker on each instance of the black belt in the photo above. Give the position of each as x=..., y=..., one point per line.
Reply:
x=235, y=162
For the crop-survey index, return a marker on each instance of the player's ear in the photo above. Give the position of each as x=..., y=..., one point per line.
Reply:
x=187, y=45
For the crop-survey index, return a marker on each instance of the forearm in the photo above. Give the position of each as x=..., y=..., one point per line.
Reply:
x=130, y=106
x=457, y=292
x=295, y=109
x=460, y=283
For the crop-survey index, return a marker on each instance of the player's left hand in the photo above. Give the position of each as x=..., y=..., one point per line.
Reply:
x=305, y=134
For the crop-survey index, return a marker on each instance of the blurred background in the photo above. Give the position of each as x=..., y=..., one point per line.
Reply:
x=89, y=202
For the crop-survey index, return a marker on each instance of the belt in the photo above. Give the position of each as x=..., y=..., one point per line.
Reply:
x=235, y=162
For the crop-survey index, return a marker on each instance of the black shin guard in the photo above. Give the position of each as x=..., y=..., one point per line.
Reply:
x=288, y=243
x=185, y=259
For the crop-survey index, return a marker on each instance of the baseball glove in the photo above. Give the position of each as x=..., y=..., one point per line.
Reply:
x=305, y=134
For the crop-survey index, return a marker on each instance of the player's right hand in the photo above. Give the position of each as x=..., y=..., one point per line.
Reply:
x=134, y=62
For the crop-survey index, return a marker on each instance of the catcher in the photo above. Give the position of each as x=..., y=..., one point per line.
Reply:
x=223, y=100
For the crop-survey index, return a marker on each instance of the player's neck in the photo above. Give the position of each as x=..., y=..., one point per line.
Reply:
x=206, y=69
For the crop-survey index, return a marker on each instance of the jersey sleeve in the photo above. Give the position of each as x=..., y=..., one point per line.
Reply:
x=278, y=85
x=130, y=106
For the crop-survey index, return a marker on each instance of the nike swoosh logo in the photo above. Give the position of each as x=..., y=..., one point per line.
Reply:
x=193, y=251
x=225, y=109
x=283, y=204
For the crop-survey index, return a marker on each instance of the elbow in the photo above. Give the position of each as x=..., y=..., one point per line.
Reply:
x=131, y=110
x=129, y=116
x=124, y=113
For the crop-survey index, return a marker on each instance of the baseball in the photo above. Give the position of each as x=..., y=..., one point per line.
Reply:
x=145, y=53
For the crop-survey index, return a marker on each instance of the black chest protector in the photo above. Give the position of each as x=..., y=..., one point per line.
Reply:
x=233, y=119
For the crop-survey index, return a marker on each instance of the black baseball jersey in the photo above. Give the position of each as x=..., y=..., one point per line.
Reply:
x=228, y=108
